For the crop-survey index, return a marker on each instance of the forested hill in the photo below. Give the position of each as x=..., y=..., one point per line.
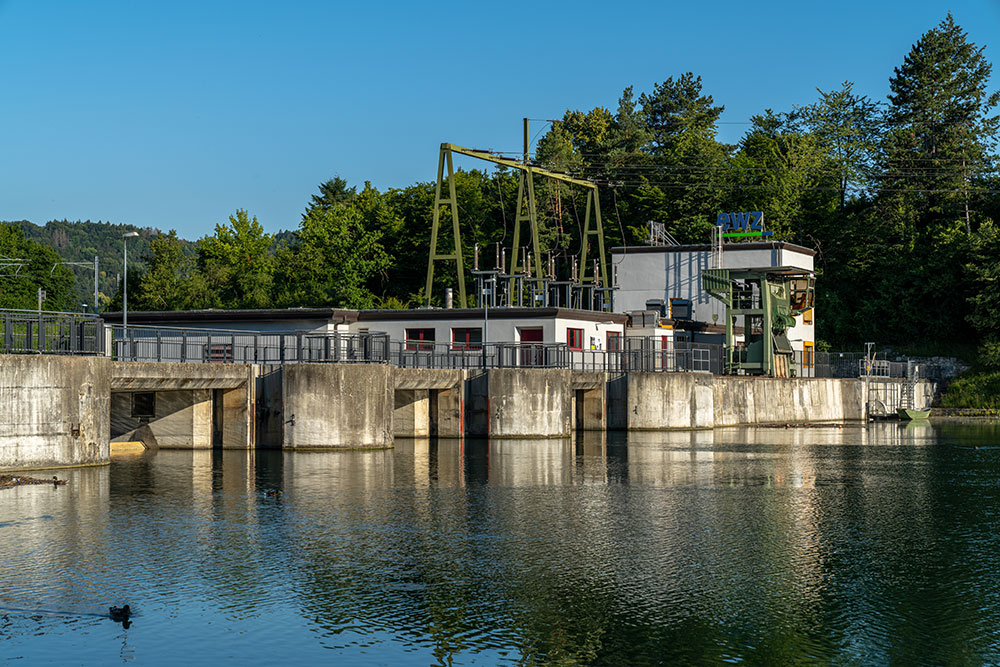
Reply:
x=82, y=241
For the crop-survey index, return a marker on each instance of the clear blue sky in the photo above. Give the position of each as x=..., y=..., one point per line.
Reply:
x=174, y=114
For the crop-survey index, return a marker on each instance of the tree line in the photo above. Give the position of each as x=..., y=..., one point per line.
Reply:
x=900, y=199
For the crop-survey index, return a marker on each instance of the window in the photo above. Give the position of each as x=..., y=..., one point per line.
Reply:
x=807, y=316
x=144, y=404
x=467, y=339
x=531, y=335
x=420, y=339
x=574, y=338
x=614, y=341
x=808, y=359
x=219, y=354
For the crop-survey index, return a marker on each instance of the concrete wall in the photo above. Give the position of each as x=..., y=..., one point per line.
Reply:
x=656, y=401
x=522, y=403
x=740, y=400
x=589, y=401
x=337, y=406
x=428, y=402
x=182, y=420
x=54, y=411
x=669, y=401
x=411, y=417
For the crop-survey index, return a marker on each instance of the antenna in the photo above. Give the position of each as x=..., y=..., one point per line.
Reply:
x=659, y=236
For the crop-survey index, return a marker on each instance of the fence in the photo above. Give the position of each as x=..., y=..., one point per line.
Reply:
x=424, y=354
x=638, y=354
x=855, y=365
x=31, y=332
x=70, y=333
x=653, y=354
x=245, y=347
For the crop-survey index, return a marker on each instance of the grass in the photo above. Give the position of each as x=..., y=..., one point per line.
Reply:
x=975, y=390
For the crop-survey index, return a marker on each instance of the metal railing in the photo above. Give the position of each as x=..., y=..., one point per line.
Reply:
x=638, y=354
x=425, y=354
x=141, y=343
x=33, y=332
x=855, y=365
x=653, y=354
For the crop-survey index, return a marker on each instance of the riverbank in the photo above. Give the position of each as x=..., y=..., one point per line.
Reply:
x=7, y=481
x=979, y=391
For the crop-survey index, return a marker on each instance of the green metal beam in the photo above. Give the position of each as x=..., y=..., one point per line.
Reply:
x=526, y=211
x=434, y=255
x=514, y=164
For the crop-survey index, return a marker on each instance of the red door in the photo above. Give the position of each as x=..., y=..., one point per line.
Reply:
x=532, y=352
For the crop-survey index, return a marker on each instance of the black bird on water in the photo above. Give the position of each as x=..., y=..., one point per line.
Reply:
x=119, y=614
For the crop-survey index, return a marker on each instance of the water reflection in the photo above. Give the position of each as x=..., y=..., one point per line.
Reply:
x=854, y=544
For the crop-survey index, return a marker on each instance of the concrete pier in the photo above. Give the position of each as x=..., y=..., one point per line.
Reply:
x=337, y=406
x=54, y=411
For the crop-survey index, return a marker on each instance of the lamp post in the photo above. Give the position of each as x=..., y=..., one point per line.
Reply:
x=125, y=237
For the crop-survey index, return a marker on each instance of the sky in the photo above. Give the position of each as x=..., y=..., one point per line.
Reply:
x=175, y=114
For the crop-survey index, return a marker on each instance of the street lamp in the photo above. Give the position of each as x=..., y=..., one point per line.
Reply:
x=125, y=237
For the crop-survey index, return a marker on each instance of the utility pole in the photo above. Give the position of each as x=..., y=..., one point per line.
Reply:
x=125, y=237
x=526, y=141
x=94, y=264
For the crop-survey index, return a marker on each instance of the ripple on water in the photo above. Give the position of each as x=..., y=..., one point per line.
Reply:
x=781, y=548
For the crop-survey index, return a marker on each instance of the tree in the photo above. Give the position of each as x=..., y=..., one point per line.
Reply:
x=680, y=187
x=777, y=169
x=331, y=193
x=39, y=269
x=169, y=281
x=333, y=258
x=984, y=272
x=237, y=264
x=942, y=131
x=848, y=127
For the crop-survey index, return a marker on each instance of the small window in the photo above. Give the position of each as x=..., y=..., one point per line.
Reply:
x=807, y=316
x=467, y=339
x=808, y=358
x=614, y=341
x=144, y=404
x=574, y=338
x=420, y=339
x=219, y=354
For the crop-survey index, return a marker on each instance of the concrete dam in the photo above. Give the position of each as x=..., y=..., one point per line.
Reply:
x=60, y=410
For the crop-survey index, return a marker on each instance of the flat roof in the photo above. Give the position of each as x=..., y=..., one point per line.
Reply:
x=346, y=316
x=729, y=247
x=494, y=314
x=340, y=315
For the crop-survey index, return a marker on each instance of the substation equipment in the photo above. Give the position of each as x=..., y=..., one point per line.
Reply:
x=522, y=279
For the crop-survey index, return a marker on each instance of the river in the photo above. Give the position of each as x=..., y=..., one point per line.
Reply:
x=866, y=545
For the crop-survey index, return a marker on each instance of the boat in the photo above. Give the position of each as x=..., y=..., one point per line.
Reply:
x=913, y=413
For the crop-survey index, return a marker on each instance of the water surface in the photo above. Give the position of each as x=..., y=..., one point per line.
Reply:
x=858, y=545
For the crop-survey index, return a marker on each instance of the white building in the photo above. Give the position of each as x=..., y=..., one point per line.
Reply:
x=651, y=277
x=268, y=335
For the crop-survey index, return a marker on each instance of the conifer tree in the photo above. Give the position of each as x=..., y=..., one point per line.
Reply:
x=941, y=132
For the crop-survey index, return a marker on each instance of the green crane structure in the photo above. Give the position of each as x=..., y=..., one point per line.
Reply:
x=526, y=212
x=767, y=301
